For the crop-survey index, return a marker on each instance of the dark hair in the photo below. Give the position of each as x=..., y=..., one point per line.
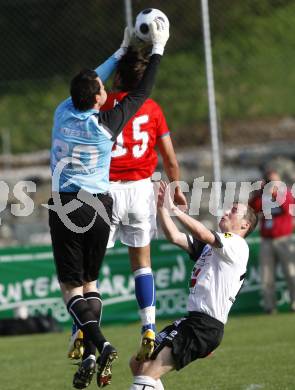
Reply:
x=84, y=87
x=130, y=69
x=251, y=217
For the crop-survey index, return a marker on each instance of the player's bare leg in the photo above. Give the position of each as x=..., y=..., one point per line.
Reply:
x=145, y=295
x=148, y=373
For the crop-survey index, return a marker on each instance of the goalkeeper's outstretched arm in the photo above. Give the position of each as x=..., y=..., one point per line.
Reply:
x=105, y=70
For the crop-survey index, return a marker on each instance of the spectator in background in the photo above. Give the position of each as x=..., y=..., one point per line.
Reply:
x=276, y=241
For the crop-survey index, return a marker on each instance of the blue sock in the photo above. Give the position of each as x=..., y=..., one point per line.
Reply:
x=74, y=328
x=145, y=295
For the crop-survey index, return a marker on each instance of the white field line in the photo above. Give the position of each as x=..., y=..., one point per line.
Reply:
x=254, y=386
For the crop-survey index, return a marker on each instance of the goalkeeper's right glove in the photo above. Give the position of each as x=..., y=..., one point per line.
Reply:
x=125, y=43
x=160, y=34
x=127, y=38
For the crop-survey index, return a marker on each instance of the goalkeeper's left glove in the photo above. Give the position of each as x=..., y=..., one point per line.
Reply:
x=125, y=43
x=160, y=34
x=127, y=38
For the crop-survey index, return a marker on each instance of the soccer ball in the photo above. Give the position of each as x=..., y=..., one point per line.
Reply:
x=144, y=19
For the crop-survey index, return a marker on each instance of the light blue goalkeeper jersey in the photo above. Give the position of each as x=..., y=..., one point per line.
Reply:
x=82, y=141
x=81, y=146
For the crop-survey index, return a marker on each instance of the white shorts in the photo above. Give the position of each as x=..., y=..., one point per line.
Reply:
x=134, y=213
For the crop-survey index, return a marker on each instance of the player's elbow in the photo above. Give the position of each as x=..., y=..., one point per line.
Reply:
x=205, y=236
x=175, y=238
x=171, y=236
x=134, y=366
x=171, y=164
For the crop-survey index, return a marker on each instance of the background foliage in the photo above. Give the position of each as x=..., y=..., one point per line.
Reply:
x=48, y=41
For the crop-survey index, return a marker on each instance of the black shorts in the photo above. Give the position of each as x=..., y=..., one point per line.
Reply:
x=78, y=256
x=190, y=338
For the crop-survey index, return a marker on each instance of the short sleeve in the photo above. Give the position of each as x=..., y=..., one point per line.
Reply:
x=162, y=127
x=231, y=248
x=196, y=247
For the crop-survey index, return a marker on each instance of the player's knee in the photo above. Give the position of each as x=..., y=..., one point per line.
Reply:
x=90, y=286
x=140, y=257
x=133, y=364
x=137, y=367
x=137, y=264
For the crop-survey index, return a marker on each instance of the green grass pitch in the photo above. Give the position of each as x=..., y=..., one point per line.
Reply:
x=257, y=352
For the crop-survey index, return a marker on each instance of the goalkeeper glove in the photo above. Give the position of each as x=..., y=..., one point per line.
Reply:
x=127, y=38
x=159, y=35
x=125, y=43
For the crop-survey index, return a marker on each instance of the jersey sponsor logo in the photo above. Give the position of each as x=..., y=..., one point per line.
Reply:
x=200, y=263
x=227, y=235
x=207, y=251
x=194, y=277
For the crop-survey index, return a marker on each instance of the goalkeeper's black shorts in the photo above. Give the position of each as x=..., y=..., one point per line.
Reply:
x=190, y=338
x=78, y=256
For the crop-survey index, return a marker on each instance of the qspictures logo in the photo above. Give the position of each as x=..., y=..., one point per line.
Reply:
x=222, y=196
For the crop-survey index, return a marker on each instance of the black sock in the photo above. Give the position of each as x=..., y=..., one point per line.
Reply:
x=94, y=301
x=86, y=320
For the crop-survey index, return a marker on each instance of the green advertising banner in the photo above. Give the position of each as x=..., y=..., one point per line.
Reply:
x=28, y=280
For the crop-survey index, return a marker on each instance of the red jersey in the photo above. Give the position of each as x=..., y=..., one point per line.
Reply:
x=281, y=223
x=133, y=155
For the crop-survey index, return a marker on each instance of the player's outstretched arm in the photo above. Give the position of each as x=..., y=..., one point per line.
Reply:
x=171, y=168
x=169, y=228
x=116, y=118
x=196, y=228
x=105, y=70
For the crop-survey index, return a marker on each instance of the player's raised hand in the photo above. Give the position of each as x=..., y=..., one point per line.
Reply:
x=159, y=32
x=164, y=197
x=180, y=199
x=124, y=45
x=127, y=38
x=161, y=194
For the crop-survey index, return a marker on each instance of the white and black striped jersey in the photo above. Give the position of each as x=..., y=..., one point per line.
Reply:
x=217, y=275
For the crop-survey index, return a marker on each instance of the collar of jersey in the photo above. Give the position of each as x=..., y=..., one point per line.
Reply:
x=85, y=114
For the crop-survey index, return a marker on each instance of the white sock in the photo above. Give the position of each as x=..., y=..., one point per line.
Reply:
x=148, y=315
x=104, y=345
x=90, y=357
x=159, y=385
x=142, y=382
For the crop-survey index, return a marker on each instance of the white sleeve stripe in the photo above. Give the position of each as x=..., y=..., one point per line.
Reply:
x=106, y=131
x=101, y=127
